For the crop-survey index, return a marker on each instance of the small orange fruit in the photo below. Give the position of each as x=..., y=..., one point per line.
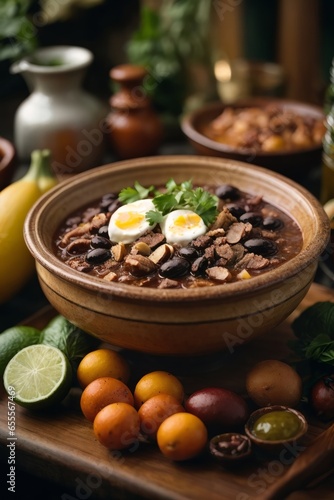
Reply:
x=182, y=436
x=155, y=410
x=117, y=426
x=157, y=382
x=102, y=392
x=102, y=363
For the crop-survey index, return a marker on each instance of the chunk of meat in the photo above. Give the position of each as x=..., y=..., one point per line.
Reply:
x=168, y=283
x=218, y=273
x=223, y=220
x=77, y=232
x=98, y=221
x=202, y=242
x=225, y=253
x=252, y=261
x=152, y=239
x=138, y=265
x=237, y=231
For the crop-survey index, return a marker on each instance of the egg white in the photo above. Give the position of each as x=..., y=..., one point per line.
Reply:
x=129, y=222
x=182, y=226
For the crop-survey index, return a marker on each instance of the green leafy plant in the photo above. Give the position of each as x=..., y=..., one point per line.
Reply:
x=165, y=43
x=71, y=340
x=175, y=196
x=314, y=330
x=17, y=32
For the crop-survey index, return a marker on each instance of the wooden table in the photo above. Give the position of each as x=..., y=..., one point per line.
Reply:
x=60, y=446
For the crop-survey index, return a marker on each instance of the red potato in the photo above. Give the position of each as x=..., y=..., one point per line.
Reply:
x=322, y=397
x=219, y=409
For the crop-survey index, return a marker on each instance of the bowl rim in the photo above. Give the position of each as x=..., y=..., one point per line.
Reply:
x=268, y=409
x=50, y=262
x=188, y=127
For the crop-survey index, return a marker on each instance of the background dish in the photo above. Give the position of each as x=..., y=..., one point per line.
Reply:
x=290, y=163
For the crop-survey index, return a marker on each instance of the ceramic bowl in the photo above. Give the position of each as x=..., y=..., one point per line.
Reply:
x=175, y=322
x=290, y=163
x=230, y=448
x=279, y=444
x=7, y=162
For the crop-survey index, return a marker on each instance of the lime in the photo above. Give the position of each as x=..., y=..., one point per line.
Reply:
x=13, y=340
x=38, y=376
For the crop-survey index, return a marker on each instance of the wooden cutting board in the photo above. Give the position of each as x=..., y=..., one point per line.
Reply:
x=60, y=446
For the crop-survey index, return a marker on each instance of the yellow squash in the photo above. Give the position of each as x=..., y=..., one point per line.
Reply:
x=16, y=263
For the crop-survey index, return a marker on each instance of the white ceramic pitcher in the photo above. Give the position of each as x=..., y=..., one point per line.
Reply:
x=58, y=114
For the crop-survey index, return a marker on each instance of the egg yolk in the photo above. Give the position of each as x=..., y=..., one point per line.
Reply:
x=129, y=220
x=187, y=221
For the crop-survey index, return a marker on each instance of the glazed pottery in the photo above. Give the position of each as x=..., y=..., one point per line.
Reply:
x=176, y=321
x=290, y=163
x=135, y=129
x=277, y=445
x=58, y=114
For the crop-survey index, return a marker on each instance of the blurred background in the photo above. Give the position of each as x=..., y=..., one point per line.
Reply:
x=289, y=41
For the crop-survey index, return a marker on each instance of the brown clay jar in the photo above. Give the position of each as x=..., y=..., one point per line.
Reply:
x=134, y=128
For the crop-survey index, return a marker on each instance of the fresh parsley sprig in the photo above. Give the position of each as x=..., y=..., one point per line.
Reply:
x=135, y=193
x=174, y=197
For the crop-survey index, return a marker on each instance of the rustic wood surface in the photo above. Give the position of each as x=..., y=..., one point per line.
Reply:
x=61, y=446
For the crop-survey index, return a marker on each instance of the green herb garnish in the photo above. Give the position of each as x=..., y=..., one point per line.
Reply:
x=314, y=329
x=135, y=193
x=174, y=197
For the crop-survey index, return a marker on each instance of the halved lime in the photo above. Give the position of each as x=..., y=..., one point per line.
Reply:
x=38, y=376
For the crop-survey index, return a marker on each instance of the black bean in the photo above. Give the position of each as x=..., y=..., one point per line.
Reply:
x=97, y=255
x=174, y=268
x=272, y=223
x=188, y=253
x=100, y=242
x=199, y=266
x=227, y=192
x=236, y=211
x=103, y=231
x=261, y=246
x=253, y=218
x=114, y=205
x=106, y=201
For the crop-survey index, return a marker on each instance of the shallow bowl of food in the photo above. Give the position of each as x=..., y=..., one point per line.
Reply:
x=280, y=134
x=218, y=304
x=274, y=427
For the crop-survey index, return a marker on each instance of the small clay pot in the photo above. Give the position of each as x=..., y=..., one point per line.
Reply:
x=275, y=446
x=134, y=128
x=230, y=448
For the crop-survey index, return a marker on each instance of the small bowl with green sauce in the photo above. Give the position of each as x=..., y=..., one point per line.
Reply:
x=273, y=427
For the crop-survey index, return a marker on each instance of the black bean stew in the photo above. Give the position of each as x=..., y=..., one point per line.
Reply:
x=249, y=237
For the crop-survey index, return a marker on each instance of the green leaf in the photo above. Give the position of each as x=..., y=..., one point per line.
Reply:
x=154, y=217
x=131, y=194
x=71, y=340
x=318, y=318
x=317, y=345
x=165, y=203
x=17, y=32
x=174, y=196
x=314, y=331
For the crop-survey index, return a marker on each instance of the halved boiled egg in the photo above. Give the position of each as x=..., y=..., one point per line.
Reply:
x=182, y=226
x=129, y=222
